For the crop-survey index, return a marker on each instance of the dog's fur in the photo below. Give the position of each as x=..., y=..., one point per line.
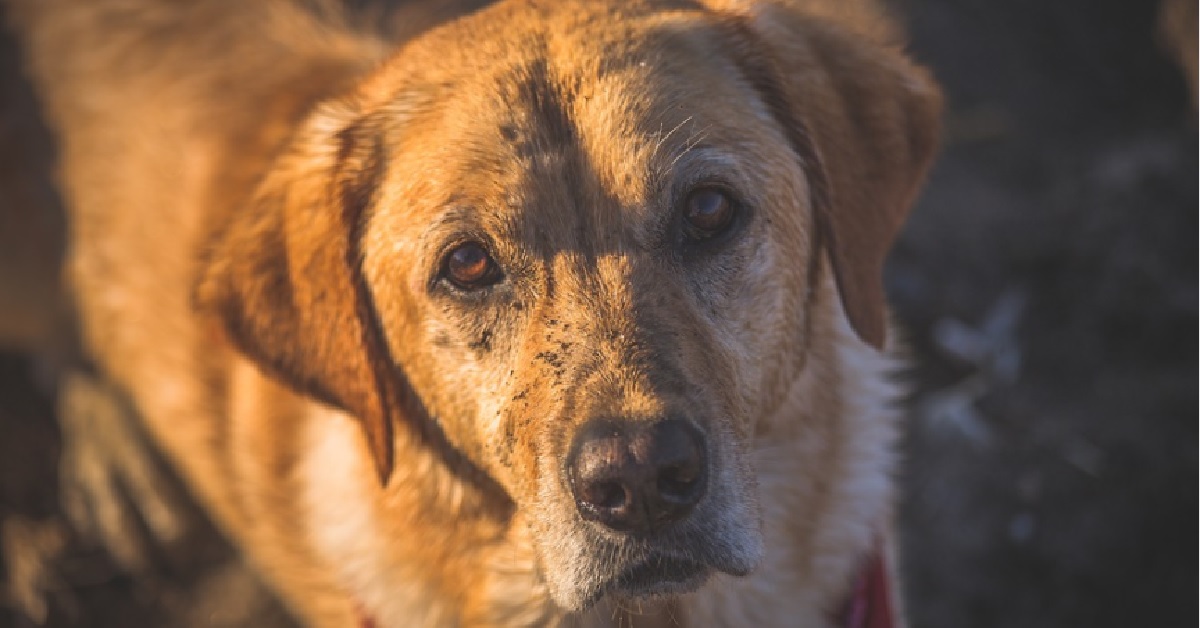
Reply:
x=261, y=198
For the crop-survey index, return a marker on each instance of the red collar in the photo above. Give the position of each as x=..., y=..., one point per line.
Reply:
x=870, y=604
x=365, y=620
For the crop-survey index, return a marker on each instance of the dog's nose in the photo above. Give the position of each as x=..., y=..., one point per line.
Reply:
x=637, y=477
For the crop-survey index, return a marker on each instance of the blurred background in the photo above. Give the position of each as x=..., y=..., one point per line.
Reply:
x=1047, y=282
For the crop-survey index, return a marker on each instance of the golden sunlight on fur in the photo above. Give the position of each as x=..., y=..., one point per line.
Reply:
x=556, y=313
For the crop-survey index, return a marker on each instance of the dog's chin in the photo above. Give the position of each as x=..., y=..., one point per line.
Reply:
x=652, y=577
x=655, y=577
x=658, y=577
x=672, y=564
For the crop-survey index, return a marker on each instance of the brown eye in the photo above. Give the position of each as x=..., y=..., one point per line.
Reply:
x=708, y=212
x=469, y=266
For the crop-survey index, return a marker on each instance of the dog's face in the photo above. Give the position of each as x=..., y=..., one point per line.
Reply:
x=583, y=263
x=586, y=245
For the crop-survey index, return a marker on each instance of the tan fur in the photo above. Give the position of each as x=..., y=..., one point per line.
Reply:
x=260, y=199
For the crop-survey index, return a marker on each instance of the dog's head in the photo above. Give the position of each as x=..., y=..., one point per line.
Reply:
x=579, y=243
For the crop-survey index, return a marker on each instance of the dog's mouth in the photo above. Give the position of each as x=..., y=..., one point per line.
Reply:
x=584, y=560
x=660, y=575
x=656, y=576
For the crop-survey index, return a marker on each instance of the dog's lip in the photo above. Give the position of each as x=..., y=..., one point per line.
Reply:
x=659, y=575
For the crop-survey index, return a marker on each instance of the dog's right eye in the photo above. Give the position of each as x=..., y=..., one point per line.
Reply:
x=469, y=266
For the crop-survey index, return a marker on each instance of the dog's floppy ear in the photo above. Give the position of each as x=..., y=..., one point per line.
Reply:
x=863, y=119
x=283, y=279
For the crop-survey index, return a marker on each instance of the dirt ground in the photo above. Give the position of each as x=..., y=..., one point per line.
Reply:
x=1048, y=285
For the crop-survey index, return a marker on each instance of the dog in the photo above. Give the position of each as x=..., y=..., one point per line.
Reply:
x=556, y=313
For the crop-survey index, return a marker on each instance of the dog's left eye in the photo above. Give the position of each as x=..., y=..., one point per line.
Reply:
x=469, y=266
x=707, y=213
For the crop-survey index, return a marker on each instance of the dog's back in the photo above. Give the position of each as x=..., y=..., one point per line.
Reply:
x=167, y=115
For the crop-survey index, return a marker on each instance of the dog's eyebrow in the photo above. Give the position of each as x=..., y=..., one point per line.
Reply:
x=663, y=137
x=692, y=143
x=465, y=218
x=702, y=155
x=458, y=214
x=696, y=160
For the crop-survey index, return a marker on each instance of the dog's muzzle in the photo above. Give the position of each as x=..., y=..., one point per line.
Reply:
x=637, y=484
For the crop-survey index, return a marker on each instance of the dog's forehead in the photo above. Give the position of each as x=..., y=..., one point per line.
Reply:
x=583, y=118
